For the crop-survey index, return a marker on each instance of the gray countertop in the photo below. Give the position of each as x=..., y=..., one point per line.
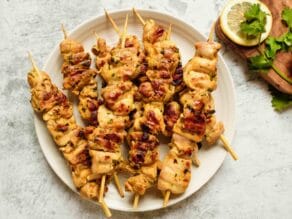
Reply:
x=259, y=185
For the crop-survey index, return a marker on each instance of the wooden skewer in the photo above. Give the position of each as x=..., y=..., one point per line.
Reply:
x=105, y=209
x=139, y=16
x=96, y=35
x=101, y=190
x=64, y=31
x=124, y=32
x=33, y=63
x=112, y=22
x=211, y=34
x=225, y=142
x=136, y=200
x=228, y=147
x=118, y=184
x=166, y=198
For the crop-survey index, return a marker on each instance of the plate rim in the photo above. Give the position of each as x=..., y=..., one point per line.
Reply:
x=224, y=65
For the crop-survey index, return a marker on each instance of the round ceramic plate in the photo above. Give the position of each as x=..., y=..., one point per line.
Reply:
x=184, y=35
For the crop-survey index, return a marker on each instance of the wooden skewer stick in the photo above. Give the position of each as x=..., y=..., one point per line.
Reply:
x=112, y=22
x=101, y=190
x=33, y=63
x=118, y=184
x=105, y=209
x=166, y=198
x=211, y=34
x=228, y=147
x=136, y=200
x=139, y=16
x=64, y=31
x=225, y=142
x=124, y=32
x=169, y=32
x=96, y=35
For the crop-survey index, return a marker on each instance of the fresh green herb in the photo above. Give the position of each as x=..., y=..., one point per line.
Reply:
x=255, y=22
x=286, y=41
x=287, y=16
x=264, y=61
x=272, y=46
x=259, y=62
x=280, y=101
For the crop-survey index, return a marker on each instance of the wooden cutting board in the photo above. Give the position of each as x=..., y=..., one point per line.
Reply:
x=283, y=60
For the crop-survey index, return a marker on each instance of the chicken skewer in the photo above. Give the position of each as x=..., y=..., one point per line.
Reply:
x=82, y=82
x=79, y=78
x=164, y=55
x=117, y=66
x=113, y=116
x=133, y=139
x=155, y=88
x=57, y=112
x=197, y=122
x=144, y=164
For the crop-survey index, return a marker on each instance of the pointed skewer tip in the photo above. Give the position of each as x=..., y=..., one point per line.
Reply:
x=211, y=34
x=136, y=200
x=105, y=209
x=101, y=190
x=124, y=34
x=166, y=198
x=118, y=184
x=64, y=31
x=33, y=62
x=139, y=16
x=112, y=22
x=228, y=147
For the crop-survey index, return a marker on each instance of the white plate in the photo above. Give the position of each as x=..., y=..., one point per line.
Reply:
x=184, y=35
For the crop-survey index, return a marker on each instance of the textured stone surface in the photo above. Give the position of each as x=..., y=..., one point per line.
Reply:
x=257, y=186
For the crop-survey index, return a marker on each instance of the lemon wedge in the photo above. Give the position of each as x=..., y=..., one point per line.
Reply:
x=233, y=14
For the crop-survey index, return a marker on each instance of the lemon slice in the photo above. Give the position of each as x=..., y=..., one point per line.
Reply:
x=233, y=14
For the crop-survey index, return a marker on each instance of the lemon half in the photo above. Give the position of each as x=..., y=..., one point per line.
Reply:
x=233, y=14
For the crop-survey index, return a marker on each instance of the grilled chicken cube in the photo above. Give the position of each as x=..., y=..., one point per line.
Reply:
x=208, y=50
x=202, y=65
x=175, y=174
x=153, y=32
x=156, y=90
x=69, y=46
x=170, y=116
x=105, y=139
x=107, y=119
x=90, y=190
x=197, y=80
x=79, y=154
x=140, y=183
x=143, y=148
x=104, y=162
x=119, y=97
x=162, y=55
x=152, y=118
x=213, y=131
x=79, y=174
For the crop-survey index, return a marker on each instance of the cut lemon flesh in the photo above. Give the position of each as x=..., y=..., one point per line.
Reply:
x=233, y=14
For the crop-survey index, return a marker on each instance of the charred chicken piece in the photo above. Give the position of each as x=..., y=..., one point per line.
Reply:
x=79, y=78
x=57, y=112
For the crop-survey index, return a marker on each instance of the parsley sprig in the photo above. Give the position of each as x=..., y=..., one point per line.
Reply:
x=264, y=61
x=255, y=21
x=280, y=101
